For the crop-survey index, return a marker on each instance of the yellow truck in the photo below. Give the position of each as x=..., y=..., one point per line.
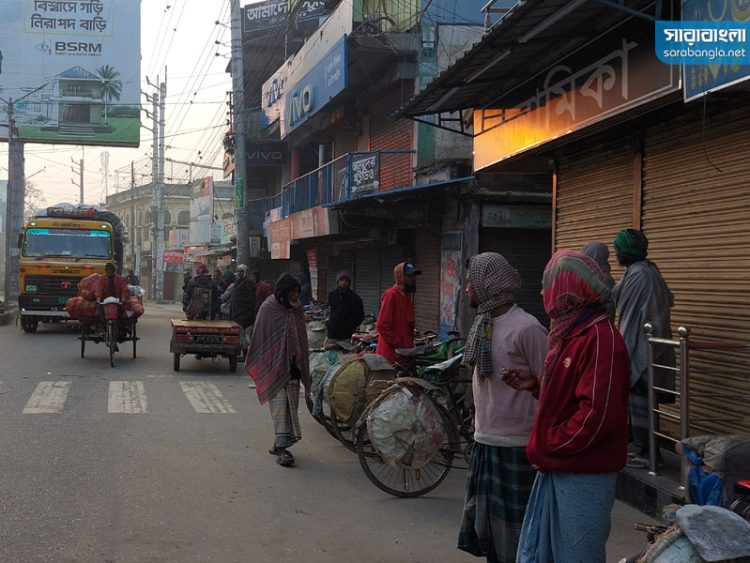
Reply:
x=59, y=247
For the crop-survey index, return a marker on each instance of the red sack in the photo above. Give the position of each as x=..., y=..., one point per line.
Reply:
x=86, y=310
x=133, y=307
x=87, y=285
x=70, y=306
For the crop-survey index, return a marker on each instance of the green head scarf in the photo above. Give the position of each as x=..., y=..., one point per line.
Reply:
x=631, y=244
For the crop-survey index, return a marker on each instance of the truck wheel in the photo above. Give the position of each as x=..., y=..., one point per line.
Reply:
x=176, y=363
x=232, y=363
x=29, y=324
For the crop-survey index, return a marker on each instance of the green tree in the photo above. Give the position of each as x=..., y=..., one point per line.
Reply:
x=111, y=86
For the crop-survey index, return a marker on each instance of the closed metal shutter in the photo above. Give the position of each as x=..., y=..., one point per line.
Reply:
x=367, y=278
x=427, y=298
x=696, y=215
x=594, y=197
x=527, y=250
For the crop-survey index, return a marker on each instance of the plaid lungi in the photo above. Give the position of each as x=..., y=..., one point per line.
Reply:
x=497, y=492
x=284, y=405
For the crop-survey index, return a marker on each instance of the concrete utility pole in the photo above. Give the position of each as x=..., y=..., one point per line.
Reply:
x=242, y=199
x=159, y=195
x=155, y=182
x=14, y=212
x=105, y=168
x=132, y=220
x=80, y=177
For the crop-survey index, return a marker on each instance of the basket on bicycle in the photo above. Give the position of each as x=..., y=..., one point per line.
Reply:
x=111, y=307
x=357, y=384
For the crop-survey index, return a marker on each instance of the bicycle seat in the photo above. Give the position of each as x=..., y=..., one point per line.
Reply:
x=411, y=352
x=446, y=365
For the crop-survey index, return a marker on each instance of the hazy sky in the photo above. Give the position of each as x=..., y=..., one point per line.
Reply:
x=178, y=34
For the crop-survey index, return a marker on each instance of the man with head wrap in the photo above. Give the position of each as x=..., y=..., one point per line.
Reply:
x=277, y=360
x=579, y=439
x=346, y=306
x=504, y=338
x=642, y=296
x=396, y=319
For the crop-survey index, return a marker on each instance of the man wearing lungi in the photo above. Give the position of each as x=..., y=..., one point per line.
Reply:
x=503, y=337
x=277, y=360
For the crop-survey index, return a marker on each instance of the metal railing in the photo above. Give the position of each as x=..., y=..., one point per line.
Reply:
x=346, y=178
x=683, y=345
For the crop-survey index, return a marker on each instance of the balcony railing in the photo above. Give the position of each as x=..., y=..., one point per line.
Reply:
x=348, y=178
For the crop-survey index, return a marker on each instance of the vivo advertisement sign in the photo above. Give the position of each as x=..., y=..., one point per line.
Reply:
x=271, y=14
x=305, y=97
x=72, y=69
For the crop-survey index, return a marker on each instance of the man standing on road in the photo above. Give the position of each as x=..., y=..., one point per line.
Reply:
x=579, y=439
x=503, y=337
x=262, y=289
x=642, y=296
x=396, y=318
x=198, y=305
x=347, y=310
x=243, y=305
x=277, y=360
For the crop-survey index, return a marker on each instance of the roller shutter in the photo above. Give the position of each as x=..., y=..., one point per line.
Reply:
x=367, y=278
x=696, y=214
x=427, y=298
x=528, y=250
x=594, y=197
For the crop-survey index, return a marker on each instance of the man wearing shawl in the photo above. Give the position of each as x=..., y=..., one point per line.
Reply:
x=277, y=360
x=503, y=337
x=641, y=297
x=579, y=439
x=396, y=318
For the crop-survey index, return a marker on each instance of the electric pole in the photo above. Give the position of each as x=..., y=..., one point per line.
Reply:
x=159, y=294
x=80, y=177
x=14, y=212
x=105, y=168
x=242, y=201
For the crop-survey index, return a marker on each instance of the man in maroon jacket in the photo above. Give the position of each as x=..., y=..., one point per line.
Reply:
x=396, y=318
x=579, y=440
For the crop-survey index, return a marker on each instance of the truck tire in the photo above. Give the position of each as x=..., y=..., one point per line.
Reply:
x=29, y=324
x=176, y=364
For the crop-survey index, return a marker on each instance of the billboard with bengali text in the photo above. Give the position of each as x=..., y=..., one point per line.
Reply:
x=72, y=70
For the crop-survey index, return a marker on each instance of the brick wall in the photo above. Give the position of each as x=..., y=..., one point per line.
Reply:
x=387, y=133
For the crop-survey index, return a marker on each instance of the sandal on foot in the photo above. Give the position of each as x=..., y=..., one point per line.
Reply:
x=286, y=459
x=637, y=463
x=276, y=451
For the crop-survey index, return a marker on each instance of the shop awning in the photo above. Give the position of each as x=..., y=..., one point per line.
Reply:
x=528, y=40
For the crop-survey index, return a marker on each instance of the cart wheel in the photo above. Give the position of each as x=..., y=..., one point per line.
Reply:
x=401, y=481
x=111, y=342
x=232, y=363
x=83, y=339
x=176, y=362
x=134, y=338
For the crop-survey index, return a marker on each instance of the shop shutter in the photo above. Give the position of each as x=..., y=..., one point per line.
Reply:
x=427, y=298
x=595, y=190
x=528, y=250
x=367, y=278
x=344, y=142
x=696, y=214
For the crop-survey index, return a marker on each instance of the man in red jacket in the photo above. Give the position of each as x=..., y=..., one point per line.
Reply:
x=396, y=318
x=579, y=440
x=111, y=285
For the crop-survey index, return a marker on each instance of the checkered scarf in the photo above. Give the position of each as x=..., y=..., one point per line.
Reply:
x=493, y=282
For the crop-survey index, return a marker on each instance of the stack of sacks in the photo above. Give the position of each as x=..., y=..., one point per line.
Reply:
x=84, y=306
x=133, y=307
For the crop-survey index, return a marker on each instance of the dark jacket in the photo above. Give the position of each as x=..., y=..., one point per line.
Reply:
x=346, y=315
x=243, y=302
x=204, y=281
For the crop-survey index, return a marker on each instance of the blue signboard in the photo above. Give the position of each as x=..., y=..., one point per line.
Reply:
x=701, y=79
x=315, y=89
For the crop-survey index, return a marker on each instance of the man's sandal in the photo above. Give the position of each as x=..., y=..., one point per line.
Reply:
x=286, y=459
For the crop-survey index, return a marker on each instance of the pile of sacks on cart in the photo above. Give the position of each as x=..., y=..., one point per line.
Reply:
x=85, y=306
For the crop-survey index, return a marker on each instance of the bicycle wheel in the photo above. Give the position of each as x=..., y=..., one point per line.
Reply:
x=401, y=481
x=111, y=342
x=133, y=337
x=344, y=433
x=83, y=339
x=325, y=413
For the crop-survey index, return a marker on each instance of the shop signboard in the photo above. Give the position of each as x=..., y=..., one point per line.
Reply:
x=72, y=69
x=365, y=175
x=701, y=79
x=201, y=211
x=614, y=73
x=272, y=14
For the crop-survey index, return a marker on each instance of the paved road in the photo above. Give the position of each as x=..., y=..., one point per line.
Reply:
x=140, y=463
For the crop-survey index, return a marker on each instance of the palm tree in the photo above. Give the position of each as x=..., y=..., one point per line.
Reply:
x=111, y=85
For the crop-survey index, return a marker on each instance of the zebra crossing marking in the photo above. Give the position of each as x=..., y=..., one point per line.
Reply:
x=127, y=397
x=206, y=398
x=48, y=398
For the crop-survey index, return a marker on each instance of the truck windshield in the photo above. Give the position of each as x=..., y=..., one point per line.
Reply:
x=67, y=243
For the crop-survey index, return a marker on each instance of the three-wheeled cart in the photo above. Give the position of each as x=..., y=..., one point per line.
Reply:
x=205, y=339
x=112, y=329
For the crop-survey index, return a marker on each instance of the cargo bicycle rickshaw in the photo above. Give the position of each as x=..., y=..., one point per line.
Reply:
x=111, y=327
